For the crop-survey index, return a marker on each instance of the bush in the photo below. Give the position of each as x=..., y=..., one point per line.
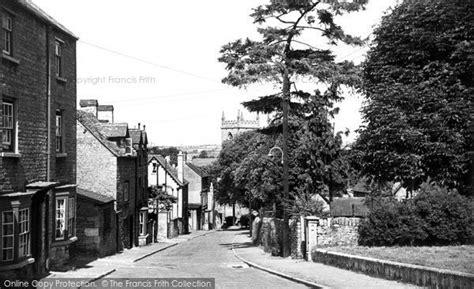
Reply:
x=435, y=216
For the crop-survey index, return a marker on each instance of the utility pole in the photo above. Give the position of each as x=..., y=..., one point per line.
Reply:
x=286, y=188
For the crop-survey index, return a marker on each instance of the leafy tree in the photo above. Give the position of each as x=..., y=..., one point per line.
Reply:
x=232, y=164
x=172, y=152
x=282, y=56
x=418, y=82
x=165, y=201
x=203, y=155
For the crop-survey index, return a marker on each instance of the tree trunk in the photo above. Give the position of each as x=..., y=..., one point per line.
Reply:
x=233, y=213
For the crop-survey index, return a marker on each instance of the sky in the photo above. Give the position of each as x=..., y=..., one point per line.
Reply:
x=156, y=61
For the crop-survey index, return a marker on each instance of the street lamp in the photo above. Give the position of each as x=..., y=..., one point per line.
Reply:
x=286, y=231
x=270, y=154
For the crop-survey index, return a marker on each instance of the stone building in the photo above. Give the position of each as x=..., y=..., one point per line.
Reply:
x=96, y=225
x=232, y=128
x=140, y=143
x=38, y=133
x=107, y=164
x=197, y=192
x=169, y=179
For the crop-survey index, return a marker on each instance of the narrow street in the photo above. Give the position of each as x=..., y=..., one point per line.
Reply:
x=209, y=256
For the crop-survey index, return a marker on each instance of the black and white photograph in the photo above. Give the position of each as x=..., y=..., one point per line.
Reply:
x=237, y=144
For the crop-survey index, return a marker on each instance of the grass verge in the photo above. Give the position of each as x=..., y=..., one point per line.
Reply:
x=456, y=258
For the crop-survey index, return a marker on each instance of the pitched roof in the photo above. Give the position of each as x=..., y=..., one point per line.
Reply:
x=92, y=124
x=38, y=12
x=172, y=171
x=136, y=135
x=348, y=207
x=95, y=197
x=106, y=108
x=361, y=186
x=88, y=102
x=116, y=130
x=200, y=171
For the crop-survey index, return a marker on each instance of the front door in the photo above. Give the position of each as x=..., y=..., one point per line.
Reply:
x=39, y=237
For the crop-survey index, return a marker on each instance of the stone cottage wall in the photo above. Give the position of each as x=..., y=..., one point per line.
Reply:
x=297, y=240
x=338, y=232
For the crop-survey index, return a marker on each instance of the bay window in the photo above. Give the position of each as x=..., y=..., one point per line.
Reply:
x=8, y=236
x=24, y=233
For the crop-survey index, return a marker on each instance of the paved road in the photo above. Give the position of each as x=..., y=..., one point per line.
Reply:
x=210, y=256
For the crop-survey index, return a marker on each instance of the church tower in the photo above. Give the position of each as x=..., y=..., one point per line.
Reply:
x=232, y=128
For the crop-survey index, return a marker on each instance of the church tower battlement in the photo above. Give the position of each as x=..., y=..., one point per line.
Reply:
x=232, y=128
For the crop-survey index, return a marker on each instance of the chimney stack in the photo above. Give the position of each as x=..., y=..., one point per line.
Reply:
x=105, y=113
x=181, y=166
x=89, y=105
x=128, y=146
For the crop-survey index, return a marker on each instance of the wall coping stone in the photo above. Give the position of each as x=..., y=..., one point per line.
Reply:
x=398, y=264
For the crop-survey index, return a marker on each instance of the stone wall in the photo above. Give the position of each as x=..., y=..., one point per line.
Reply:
x=408, y=273
x=24, y=79
x=173, y=228
x=95, y=231
x=96, y=166
x=338, y=232
x=24, y=84
x=297, y=239
x=267, y=233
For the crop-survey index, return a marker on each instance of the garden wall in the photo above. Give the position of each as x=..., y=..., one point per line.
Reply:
x=267, y=233
x=414, y=274
x=340, y=231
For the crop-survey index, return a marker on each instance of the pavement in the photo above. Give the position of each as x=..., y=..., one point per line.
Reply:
x=102, y=267
x=315, y=275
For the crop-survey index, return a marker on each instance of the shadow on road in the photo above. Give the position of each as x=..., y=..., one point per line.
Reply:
x=77, y=263
x=238, y=245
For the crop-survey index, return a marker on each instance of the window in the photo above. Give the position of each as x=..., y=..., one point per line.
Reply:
x=7, y=236
x=59, y=58
x=8, y=138
x=126, y=191
x=24, y=233
x=60, y=218
x=7, y=27
x=71, y=211
x=155, y=168
x=59, y=131
x=142, y=223
x=65, y=218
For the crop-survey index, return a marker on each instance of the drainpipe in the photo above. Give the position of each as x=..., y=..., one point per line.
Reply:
x=48, y=95
x=48, y=145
